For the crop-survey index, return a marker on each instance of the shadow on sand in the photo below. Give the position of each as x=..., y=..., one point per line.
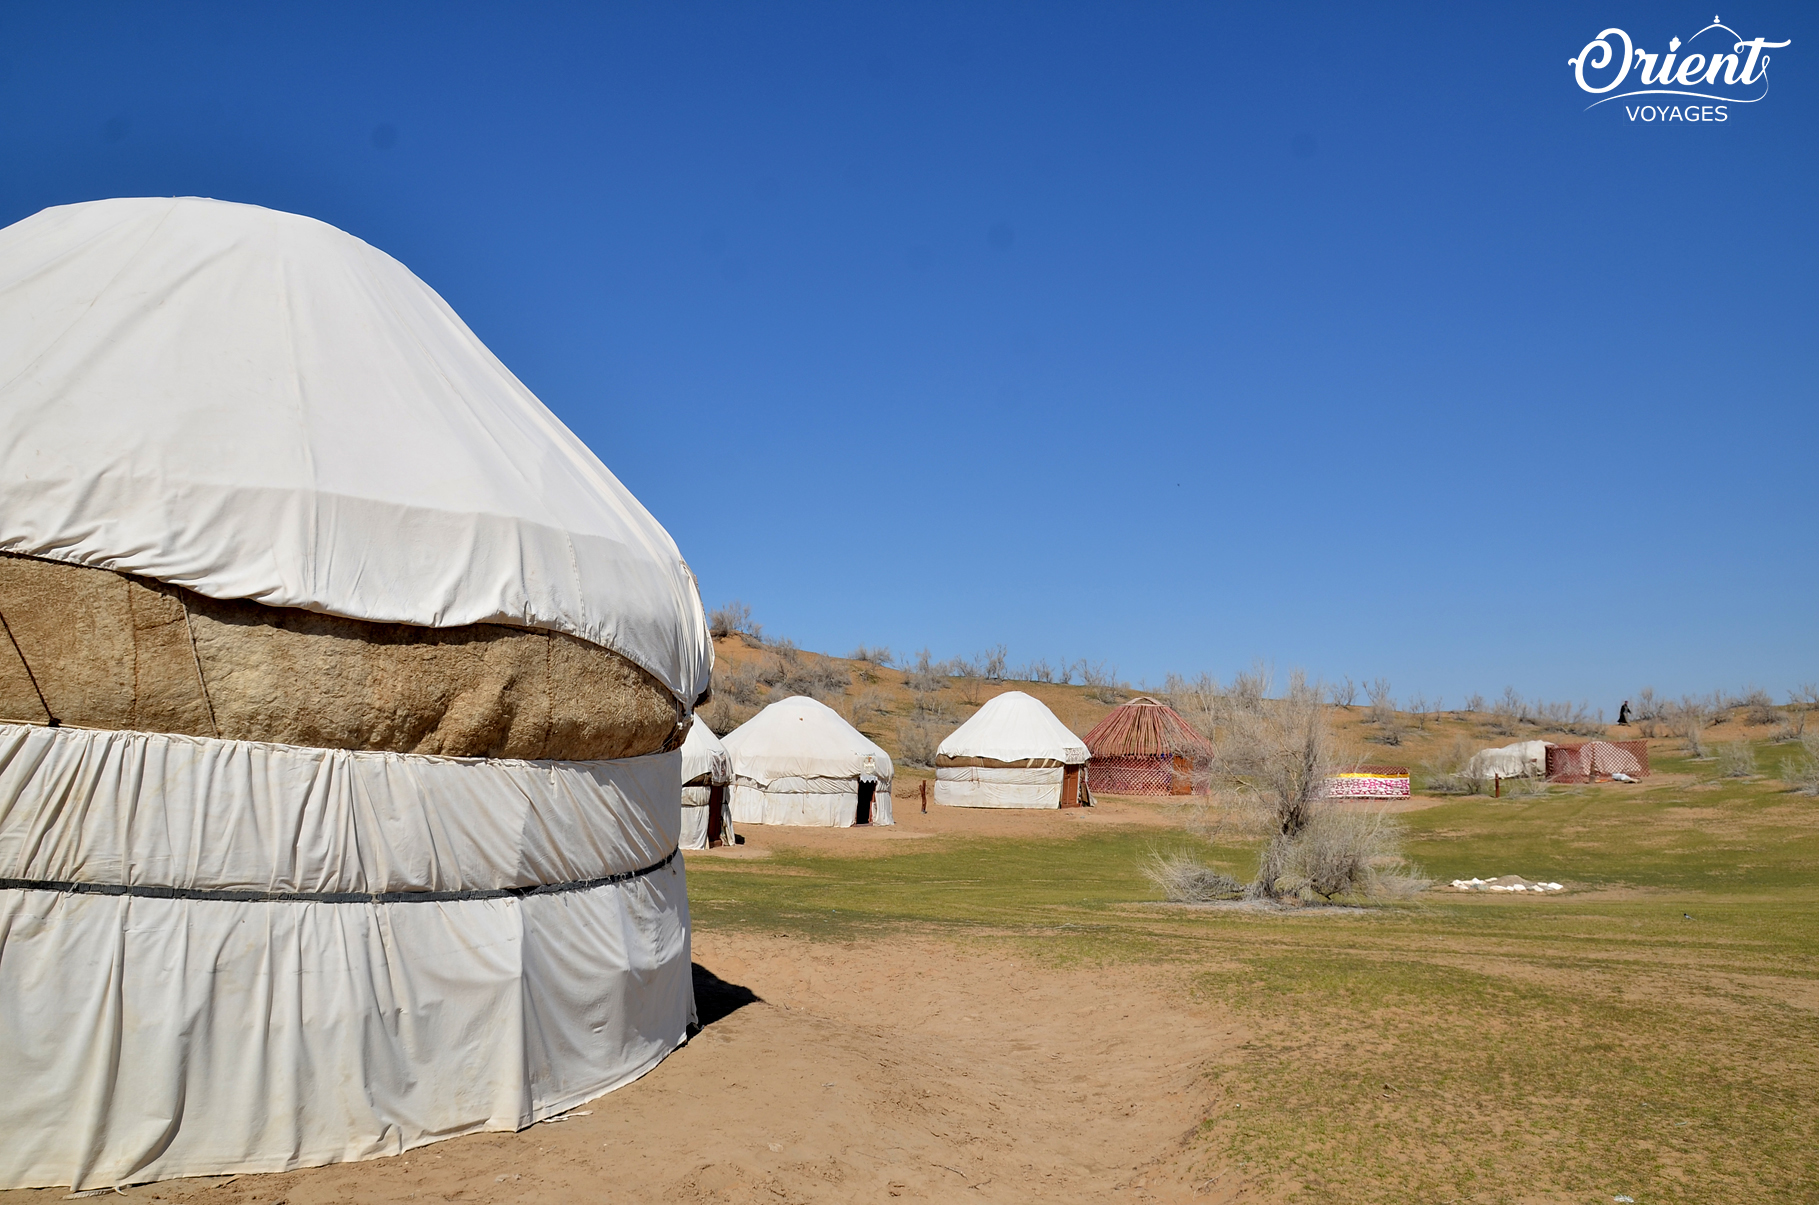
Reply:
x=715, y=998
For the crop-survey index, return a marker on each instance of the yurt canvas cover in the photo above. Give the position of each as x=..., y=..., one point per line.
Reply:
x=1012, y=753
x=1522, y=759
x=707, y=772
x=225, y=955
x=799, y=762
x=1145, y=748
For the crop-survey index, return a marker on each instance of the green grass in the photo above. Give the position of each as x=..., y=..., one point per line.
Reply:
x=1461, y=1048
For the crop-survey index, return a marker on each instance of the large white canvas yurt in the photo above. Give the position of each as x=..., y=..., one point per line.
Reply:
x=707, y=772
x=799, y=762
x=341, y=691
x=1013, y=753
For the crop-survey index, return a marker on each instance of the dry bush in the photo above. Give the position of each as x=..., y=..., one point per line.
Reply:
x=867, y=655
x=1357, y=855
x=722, y=715
x=1791, y=726
x=924, y=677
x=1101, y=682
x=1648, y=706
x=992, y=663
x=790, y=673
x=863, y=708
x=730, y=619
x=1036, y=671
x=1736, y=760
x=970, y=690
x=1801, y=771
x=1475, y=704
x=1689, y=719
x=1344, y=694
x=1274, y=763
x=737, y=684
x=1758, y=707
x=1454, y=771
x=1183, y=879
x=1248, y=691
x=919, y=738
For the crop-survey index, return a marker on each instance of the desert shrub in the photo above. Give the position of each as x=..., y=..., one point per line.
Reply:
x=970, y=690
x=722, y=715
x=1249, y=690
x=1758, y=707
x=1344, y=694
x=1736, y=760
x=867, y=655
x=789, y=673
x=991, y=663
x=1036, y=671
x=1474, y=703
x=864, y=708
x=1791, y=726
x=1201, y=701
x=1184, y=879
x=1801, y=771
x=919, y=737
x=1101, y=682
x=737, y=683
x=1341, y=853
x=1689, y=719
x=1648, y=706
x=1453, y=771
x=729, y=619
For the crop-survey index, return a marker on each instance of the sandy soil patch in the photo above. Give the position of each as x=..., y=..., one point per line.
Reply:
x=843, y=1073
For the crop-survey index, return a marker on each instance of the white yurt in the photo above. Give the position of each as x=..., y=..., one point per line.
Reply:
x=1013, y=753
x=1524, y=759
x=707, y=772
x=341, y=697
x=799, y=762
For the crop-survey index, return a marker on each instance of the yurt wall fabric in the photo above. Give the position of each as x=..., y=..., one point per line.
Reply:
x=798, y=762
x=1524, y=758
x=707, y=771
x=1012, y=753
x=228, y=956
x=256, y=405
x=1144, y=747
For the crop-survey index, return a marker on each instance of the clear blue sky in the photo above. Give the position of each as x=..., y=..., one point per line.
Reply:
x=1172, y=336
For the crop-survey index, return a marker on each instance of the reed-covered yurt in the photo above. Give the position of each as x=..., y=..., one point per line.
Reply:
x=1145, y=748
x=1012, y=753
x=799, y=762
x=342, y=691
x=707, y=773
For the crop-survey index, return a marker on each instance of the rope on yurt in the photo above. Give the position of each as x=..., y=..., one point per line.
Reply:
x=230, y=895
x=200, y=679
x=49, y=716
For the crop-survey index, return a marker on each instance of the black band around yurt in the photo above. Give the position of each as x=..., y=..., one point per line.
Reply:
x=230, y=895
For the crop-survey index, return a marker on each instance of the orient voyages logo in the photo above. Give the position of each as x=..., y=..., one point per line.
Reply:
x=1720, y=67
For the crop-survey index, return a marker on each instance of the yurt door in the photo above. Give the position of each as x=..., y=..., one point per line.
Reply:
x=864, y=814
x=716, y=800
x=1070, y=787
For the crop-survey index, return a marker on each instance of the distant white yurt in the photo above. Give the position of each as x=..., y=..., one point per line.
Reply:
x=799, y=762
x=1013, y=753
x=707, y=772
x=341, y=696
x=1524, y=759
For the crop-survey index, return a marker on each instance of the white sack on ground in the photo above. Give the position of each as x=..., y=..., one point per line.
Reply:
x=799, y=762
x=257, y=405
x=1522, y=759
x=193, y=1036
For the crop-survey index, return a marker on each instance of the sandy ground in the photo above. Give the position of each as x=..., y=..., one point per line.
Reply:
x=842, y=1073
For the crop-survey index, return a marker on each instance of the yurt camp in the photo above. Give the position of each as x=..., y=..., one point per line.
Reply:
x=1012, y=753
x=707, y=771
x=799, y=762
x=343, y=689
x=1145, y=748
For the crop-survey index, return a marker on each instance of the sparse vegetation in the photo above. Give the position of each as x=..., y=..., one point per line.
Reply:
x=1184, y=879
x=1801, y=771
x=1736, y=760
x=920, y=736
x=1344, y=693
x=1101, y=681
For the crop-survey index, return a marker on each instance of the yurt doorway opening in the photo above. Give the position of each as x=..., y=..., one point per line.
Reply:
x=1070, y=787
x=716, y=802
x=864, y=814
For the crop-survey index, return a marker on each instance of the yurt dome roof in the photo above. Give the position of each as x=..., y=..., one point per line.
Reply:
x=703, y=756
x=1015, y=726
x=798, y=737
x=1143, y=727
x=256, y=405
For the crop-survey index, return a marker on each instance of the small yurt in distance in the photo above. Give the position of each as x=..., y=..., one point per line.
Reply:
x=800, y=762
x=707, y=771
x=1013, y=753
x=1145, y=748
x=341, y=694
